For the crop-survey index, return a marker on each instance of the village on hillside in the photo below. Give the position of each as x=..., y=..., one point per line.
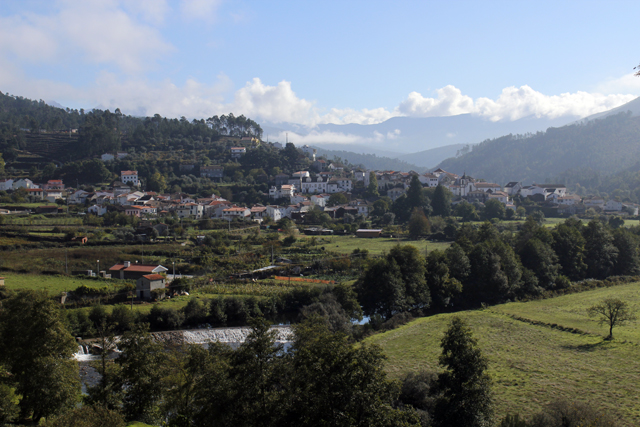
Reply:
x=295, y=194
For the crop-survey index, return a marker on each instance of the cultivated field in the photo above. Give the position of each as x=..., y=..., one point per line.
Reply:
x=532, y=365
x=376, y=246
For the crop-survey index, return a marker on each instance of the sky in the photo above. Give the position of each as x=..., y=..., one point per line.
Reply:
x=330, y=61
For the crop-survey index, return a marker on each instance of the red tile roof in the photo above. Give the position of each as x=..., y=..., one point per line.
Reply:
x=153, y=276
x=135, y=267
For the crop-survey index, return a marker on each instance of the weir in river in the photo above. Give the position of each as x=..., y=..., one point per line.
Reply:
x=233, y=336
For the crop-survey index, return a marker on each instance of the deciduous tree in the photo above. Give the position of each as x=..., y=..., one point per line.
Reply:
x=611, y=312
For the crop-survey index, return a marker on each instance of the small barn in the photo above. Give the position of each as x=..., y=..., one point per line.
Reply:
x=364, y=232
x=148, y=283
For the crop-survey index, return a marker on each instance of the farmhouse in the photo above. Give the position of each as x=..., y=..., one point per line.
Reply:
x=126, y=270
x=129, y=176
x=148, y=283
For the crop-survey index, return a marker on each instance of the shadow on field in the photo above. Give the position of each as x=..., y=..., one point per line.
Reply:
x=587, y=347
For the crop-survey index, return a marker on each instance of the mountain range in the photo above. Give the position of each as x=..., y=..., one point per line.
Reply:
x=603, y=144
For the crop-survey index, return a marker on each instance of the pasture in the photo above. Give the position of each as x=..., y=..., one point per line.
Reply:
x=534, y=364
x=375, y=246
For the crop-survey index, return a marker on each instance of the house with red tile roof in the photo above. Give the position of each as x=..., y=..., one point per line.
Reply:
x=148, y=283
x=127, y=270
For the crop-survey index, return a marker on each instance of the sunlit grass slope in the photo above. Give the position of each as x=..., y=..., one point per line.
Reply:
x=533, y=364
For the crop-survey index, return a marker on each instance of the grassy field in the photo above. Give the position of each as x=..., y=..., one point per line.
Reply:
x=346, y=244
x=570, y=311
x=532, y=365
x=53, y=284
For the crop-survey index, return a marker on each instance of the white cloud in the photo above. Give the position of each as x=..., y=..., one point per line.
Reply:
x=512, y=104
x=152, y=11
x=274, y=103
x=450, y=102
x=629, y=83
x=204, y=10
x=328, y=137
x=516, y=103
x=96, y=32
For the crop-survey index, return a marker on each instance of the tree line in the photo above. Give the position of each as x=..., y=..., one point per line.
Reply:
x=487, y=265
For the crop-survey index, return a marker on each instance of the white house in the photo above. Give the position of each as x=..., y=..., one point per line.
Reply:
x=52, y=195
x=512, y=188
x=24, y=183
x=594, y=202
x=97, y=210
x=319, y=200
x=77, y=197
x=276, y=213
x=298, y=198
x=309, y=185
x=394, y=193
x=613, y=205
x=285, y=191
x=129, y=176
x=6, y=184
x=237, y=152
x=429, y=179
x=190, y=210
x=500, y=196
x=236, y=212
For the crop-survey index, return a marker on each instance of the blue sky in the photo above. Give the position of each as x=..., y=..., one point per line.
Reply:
x=330, y=61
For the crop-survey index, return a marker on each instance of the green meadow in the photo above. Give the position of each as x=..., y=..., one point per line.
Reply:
x=52, y=284
x=564, y=356
x=375, y=246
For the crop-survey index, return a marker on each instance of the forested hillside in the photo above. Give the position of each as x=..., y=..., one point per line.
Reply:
x=370, y=161
x=31, y=125
x=605, y=146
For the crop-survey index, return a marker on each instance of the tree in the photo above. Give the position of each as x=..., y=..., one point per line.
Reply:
x=372, y=189
x=337, y=199
x=37, y=350
x=569, y=246
x=611, y=311
x=140, y=375
x=628, y=260
x=600, y=251
x=418, y=224
x=494, y=209
x=466, y=211
x=415, y=195
x=441, y=284
x=339, y=384
x=394, y=284
x=542, y=260
x=441, y=201
x=465, y=387
x=380, y=207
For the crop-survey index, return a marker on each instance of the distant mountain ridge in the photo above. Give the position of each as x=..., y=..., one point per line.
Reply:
x=405, y=135
x=606, y=145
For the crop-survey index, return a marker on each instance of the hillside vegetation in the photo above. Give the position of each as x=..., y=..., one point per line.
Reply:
x=538, y=351
x=605, y=145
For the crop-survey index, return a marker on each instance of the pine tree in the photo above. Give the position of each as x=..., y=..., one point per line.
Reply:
x=465, y=386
